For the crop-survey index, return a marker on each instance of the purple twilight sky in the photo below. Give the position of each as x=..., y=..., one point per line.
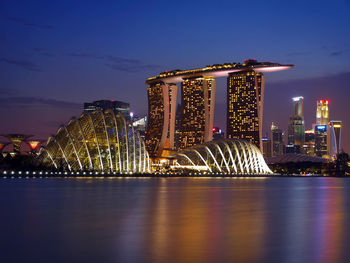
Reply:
x=55, y=55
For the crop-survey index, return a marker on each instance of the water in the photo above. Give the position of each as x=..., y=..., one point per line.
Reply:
x=175, y=220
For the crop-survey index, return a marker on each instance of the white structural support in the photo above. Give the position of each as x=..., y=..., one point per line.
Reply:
x=107, y=137
x=59, y=146
x=75, y=150
x=84, y=141
x=244, y=156
x=125, y=152
x=98, y=145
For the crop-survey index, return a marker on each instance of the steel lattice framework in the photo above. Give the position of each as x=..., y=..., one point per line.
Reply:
x=99, y=141
x=230, y=156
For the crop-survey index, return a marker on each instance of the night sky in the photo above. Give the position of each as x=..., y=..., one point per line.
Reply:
x=55, y=55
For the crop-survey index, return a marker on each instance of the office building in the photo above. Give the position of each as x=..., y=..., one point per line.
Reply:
x=296, y=129
x=309, y=144
x=321, y=149
x=334, y=138
x=277, y=142
x=322, y=113
x=267, y=147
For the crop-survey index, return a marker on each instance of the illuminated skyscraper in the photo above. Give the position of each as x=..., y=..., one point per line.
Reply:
x=197, y=111
x=277, y=140
x=195, y=122
x=161, y=117
x=322, y=114
x=245, y=96
x=321, y=141
x=267, y=150
x=296, y=129
x=334, y=138
x=309, y=144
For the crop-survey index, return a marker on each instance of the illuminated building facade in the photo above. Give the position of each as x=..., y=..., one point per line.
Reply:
x=114, y=105
x=267, y=149
x=161, y=117
x=245, y=95
x=277, y=143
x=334, y=138
x=230, y=156
x=296, y=129
x=322, y=113
x=197, y=111
x=321, y=149
x=309, y=144
x=96, y=141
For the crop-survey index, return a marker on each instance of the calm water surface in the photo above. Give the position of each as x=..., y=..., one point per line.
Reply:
x=175, y=220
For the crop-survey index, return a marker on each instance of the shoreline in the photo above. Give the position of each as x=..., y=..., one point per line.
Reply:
x=77, y=175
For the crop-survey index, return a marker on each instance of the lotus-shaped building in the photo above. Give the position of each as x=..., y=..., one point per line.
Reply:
x=98, y=141
x=231, y=156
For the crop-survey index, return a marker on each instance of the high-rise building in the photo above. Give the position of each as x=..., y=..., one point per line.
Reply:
x=245, y=96
x=267, y=149
x=277, y=143
x=114, y=105
x=197, y=111
x=296, y=129
x=309, y=144
x=321, y=141
x=322, y=114
x=161, y=117
x=194, y=126
x=334, y=138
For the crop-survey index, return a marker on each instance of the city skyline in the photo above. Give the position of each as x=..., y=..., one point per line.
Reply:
x=108, y=55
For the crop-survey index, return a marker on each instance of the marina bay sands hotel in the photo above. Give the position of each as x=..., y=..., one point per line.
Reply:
x=245, y=99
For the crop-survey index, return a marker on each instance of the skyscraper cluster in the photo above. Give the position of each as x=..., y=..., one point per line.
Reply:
x=171, y=129
x=323, y=140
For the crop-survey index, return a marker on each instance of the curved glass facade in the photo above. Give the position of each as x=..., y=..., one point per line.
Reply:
x=97, y=141
x=229, y=156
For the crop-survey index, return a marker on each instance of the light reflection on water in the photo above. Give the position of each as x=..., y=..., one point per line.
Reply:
x=175, y=220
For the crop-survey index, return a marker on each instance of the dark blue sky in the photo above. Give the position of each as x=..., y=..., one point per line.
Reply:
x=55, y=55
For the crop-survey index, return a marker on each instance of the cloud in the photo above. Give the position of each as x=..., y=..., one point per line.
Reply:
x=117, y=63
x=43, y=52
x=132, y=68
x=24, y=64
x=29, y=23
x=6, y=91
x=338, y=53
x=83, y=55
x=123, y=60
x=24, y=102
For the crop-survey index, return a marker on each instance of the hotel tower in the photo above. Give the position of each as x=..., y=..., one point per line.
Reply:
x=197, y=111
x=245, y=97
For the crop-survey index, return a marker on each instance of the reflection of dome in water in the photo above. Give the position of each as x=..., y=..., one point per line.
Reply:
x=97, y=141
x=229, y=156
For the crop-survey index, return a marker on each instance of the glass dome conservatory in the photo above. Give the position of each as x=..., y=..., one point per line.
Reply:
x=98, y=141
